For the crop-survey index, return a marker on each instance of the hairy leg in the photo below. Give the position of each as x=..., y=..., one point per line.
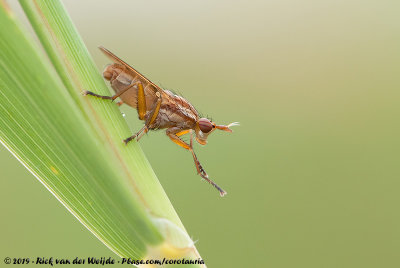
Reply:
x=173, y=134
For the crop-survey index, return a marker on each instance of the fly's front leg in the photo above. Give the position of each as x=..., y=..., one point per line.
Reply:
x=112, y=98
x=153, y=115
x=201, y=171
x=138, y=134
x=173, y=134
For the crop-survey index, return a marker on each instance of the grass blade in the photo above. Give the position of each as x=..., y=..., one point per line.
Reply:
x=53, y=131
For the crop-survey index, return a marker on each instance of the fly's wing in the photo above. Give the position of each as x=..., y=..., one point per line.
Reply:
x=150, y=88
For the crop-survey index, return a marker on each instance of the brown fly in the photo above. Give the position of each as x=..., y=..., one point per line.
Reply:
x=159, y=109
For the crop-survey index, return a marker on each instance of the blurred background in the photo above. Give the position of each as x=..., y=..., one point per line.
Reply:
x=312, y=173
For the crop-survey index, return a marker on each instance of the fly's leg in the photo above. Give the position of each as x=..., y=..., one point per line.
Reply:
x=86, y=92
x=204, y=175
x=173, y=134
x=153, y=116
x=141, y=102
x=141, y=107
x=139, y=134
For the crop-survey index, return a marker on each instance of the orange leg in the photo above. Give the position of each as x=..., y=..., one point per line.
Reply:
x=174, y=134
x=183, y=132
x=141, y=102
x=152, y=118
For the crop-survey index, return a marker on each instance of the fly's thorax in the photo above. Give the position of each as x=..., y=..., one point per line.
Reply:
x=168, y=116
x=181, y=107
x=175, y=111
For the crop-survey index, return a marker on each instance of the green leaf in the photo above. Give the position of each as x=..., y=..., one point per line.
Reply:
x=73, y=144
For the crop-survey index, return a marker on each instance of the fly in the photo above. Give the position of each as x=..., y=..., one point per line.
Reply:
x=159, y=109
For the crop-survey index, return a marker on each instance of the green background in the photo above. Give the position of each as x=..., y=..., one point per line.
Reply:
x=312, y=173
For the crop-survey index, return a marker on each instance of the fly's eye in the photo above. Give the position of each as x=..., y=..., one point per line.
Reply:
x=205, y=125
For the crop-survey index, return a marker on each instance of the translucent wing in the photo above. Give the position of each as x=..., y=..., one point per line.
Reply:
x=138, y=76
x=129, y=75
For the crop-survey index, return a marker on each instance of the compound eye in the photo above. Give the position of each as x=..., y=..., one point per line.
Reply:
x=205, y=125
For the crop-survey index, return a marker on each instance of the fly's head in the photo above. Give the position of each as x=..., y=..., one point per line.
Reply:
x=205, y=127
